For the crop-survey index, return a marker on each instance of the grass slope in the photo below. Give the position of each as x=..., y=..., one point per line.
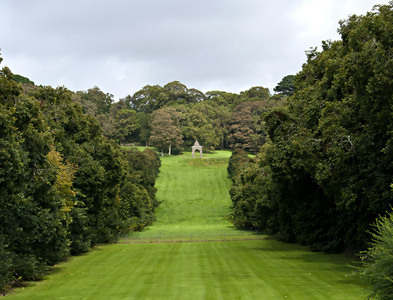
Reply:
x=195, y=199
x=195, y=195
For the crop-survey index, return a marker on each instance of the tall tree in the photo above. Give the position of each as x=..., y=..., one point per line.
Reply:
x=223, y=98
x=246, y=130
x=208, y=123
x=99, y=98
x=34, y=198
x=177, y=92
x=127, y=123
x=145, y=128
x=148, y=99
x=165, y=129
x=199, y=128
x=195, y=96
x=258, y=92
x=286, y=86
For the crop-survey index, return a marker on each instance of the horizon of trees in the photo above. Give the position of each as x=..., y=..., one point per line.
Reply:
x=219, y=120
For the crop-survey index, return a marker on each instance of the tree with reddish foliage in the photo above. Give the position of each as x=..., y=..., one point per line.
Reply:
x=165, y=129
x=246, y=130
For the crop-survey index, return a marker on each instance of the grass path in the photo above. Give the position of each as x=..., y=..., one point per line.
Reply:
x=195, y=195
x=195, y=199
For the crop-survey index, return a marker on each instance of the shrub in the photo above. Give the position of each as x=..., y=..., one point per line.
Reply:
x=377, y=260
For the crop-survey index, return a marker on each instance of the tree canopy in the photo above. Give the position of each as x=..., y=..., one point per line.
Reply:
x=286, y=86
x=63, y=185
x=327, y=167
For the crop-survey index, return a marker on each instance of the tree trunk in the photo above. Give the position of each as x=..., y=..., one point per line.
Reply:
x=170, y=149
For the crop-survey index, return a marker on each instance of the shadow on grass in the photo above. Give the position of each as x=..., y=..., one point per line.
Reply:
x=316, y=260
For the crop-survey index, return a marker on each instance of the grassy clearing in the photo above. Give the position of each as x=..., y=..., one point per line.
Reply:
x=195, y=200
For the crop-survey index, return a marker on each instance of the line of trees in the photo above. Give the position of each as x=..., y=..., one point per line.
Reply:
x=64, y=186
x=172, y=117
x=324, y=174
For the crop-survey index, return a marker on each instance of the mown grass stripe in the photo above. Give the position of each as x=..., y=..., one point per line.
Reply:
x=245, y=269
x=262, y=269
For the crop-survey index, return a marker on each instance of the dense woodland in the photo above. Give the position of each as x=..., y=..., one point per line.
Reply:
x=64, y=186
x=172, y=117
x=321, y=174
x=324, y=174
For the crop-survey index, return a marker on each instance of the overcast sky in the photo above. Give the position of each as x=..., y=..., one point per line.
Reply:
x=123, y=45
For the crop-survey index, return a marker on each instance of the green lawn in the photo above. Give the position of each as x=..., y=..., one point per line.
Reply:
x=195, y=200
x=206, y=270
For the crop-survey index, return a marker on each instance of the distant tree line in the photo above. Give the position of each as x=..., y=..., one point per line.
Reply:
x=172, y=117
x=64, y=186
x=324, y=174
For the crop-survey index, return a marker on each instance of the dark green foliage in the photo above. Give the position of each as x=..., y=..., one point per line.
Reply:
x=151, y=98
x=250, y=192
x=127, y=123
x=139, y=194
x=144, y=129
x=144, y=166
x=21, y=79
x=286, y=86
x=206, y=122
x=223, y=98
x=377, y=261
x=6, y=263
x=99, y=98
x=330, y=156
x=9, y=90
x=258, y=92
x=236, y=162
x=62, y=182
x=32, y=224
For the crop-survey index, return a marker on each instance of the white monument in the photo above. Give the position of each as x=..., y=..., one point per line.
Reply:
x=196, y=147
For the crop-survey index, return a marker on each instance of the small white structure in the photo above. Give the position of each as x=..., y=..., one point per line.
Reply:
x=196, y=147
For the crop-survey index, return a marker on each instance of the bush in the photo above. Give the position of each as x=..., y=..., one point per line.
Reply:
x=377, y=260
x=238, y=160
